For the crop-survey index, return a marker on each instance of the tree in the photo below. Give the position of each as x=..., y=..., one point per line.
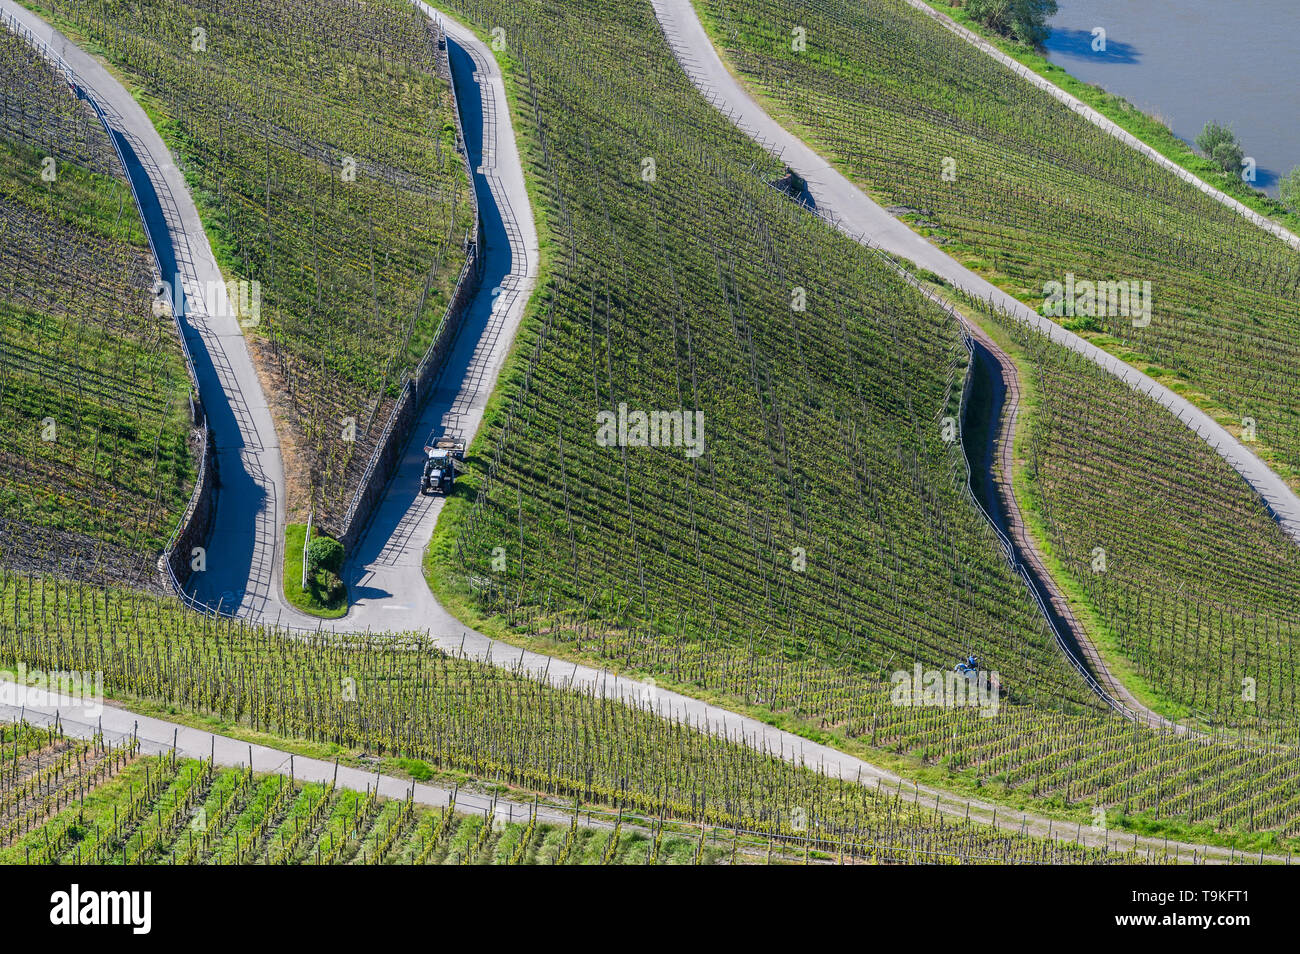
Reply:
x=1228, y=156
x=324, y=564
x=1288, y=188
x=1026, y=20
x=1211, y=135
x=1220, y=144
x=324, y=553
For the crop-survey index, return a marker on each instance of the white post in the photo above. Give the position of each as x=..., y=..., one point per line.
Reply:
x=305, y=543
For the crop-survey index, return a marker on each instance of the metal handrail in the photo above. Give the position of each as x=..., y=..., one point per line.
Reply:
x=1004, y=542
x=306, y=545
x=1008, y=547
x=377, y=454
x=472, y=262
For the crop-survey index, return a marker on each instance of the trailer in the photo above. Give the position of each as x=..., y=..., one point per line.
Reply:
x=442, y=455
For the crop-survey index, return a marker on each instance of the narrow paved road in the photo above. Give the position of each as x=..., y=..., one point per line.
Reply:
x=243, y=565
x=158, y=735
x=173, y=222
x=244, y=555
x=854, y=213
x=385, y=581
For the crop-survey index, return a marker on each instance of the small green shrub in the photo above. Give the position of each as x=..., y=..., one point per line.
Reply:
x=1026, y=20
x=324, y=553
x=1220, y=144
x=1288, y=188
x=326, y=587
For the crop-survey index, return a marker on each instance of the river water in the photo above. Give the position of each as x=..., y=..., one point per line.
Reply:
x=1191, y=61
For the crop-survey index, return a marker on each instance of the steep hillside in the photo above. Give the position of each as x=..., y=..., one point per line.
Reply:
x=319, y=140
x=1021, y=189
x=810, y=534
x=95, y=449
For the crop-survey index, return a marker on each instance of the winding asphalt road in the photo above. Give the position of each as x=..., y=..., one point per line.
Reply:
x=854, y=213
x=243, y=565
x=385, y=580
x=243, y=559
x=845, y=205
x=244, y=554
x=158, y=735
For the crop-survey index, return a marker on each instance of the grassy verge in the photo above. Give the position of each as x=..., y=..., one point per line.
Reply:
x=315, y=599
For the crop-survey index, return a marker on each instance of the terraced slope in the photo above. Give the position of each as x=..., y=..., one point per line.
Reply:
x=1036, y=759
x=635, y=745
x=235, y=816
x=64, y=801
x=1187, y=573
x=1023, y=190
x=89, y=802
x=95, y=452
x=1032, y=750
x=820, y=538
x=319, y=140
x=399, y=695
x=1196, y=575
